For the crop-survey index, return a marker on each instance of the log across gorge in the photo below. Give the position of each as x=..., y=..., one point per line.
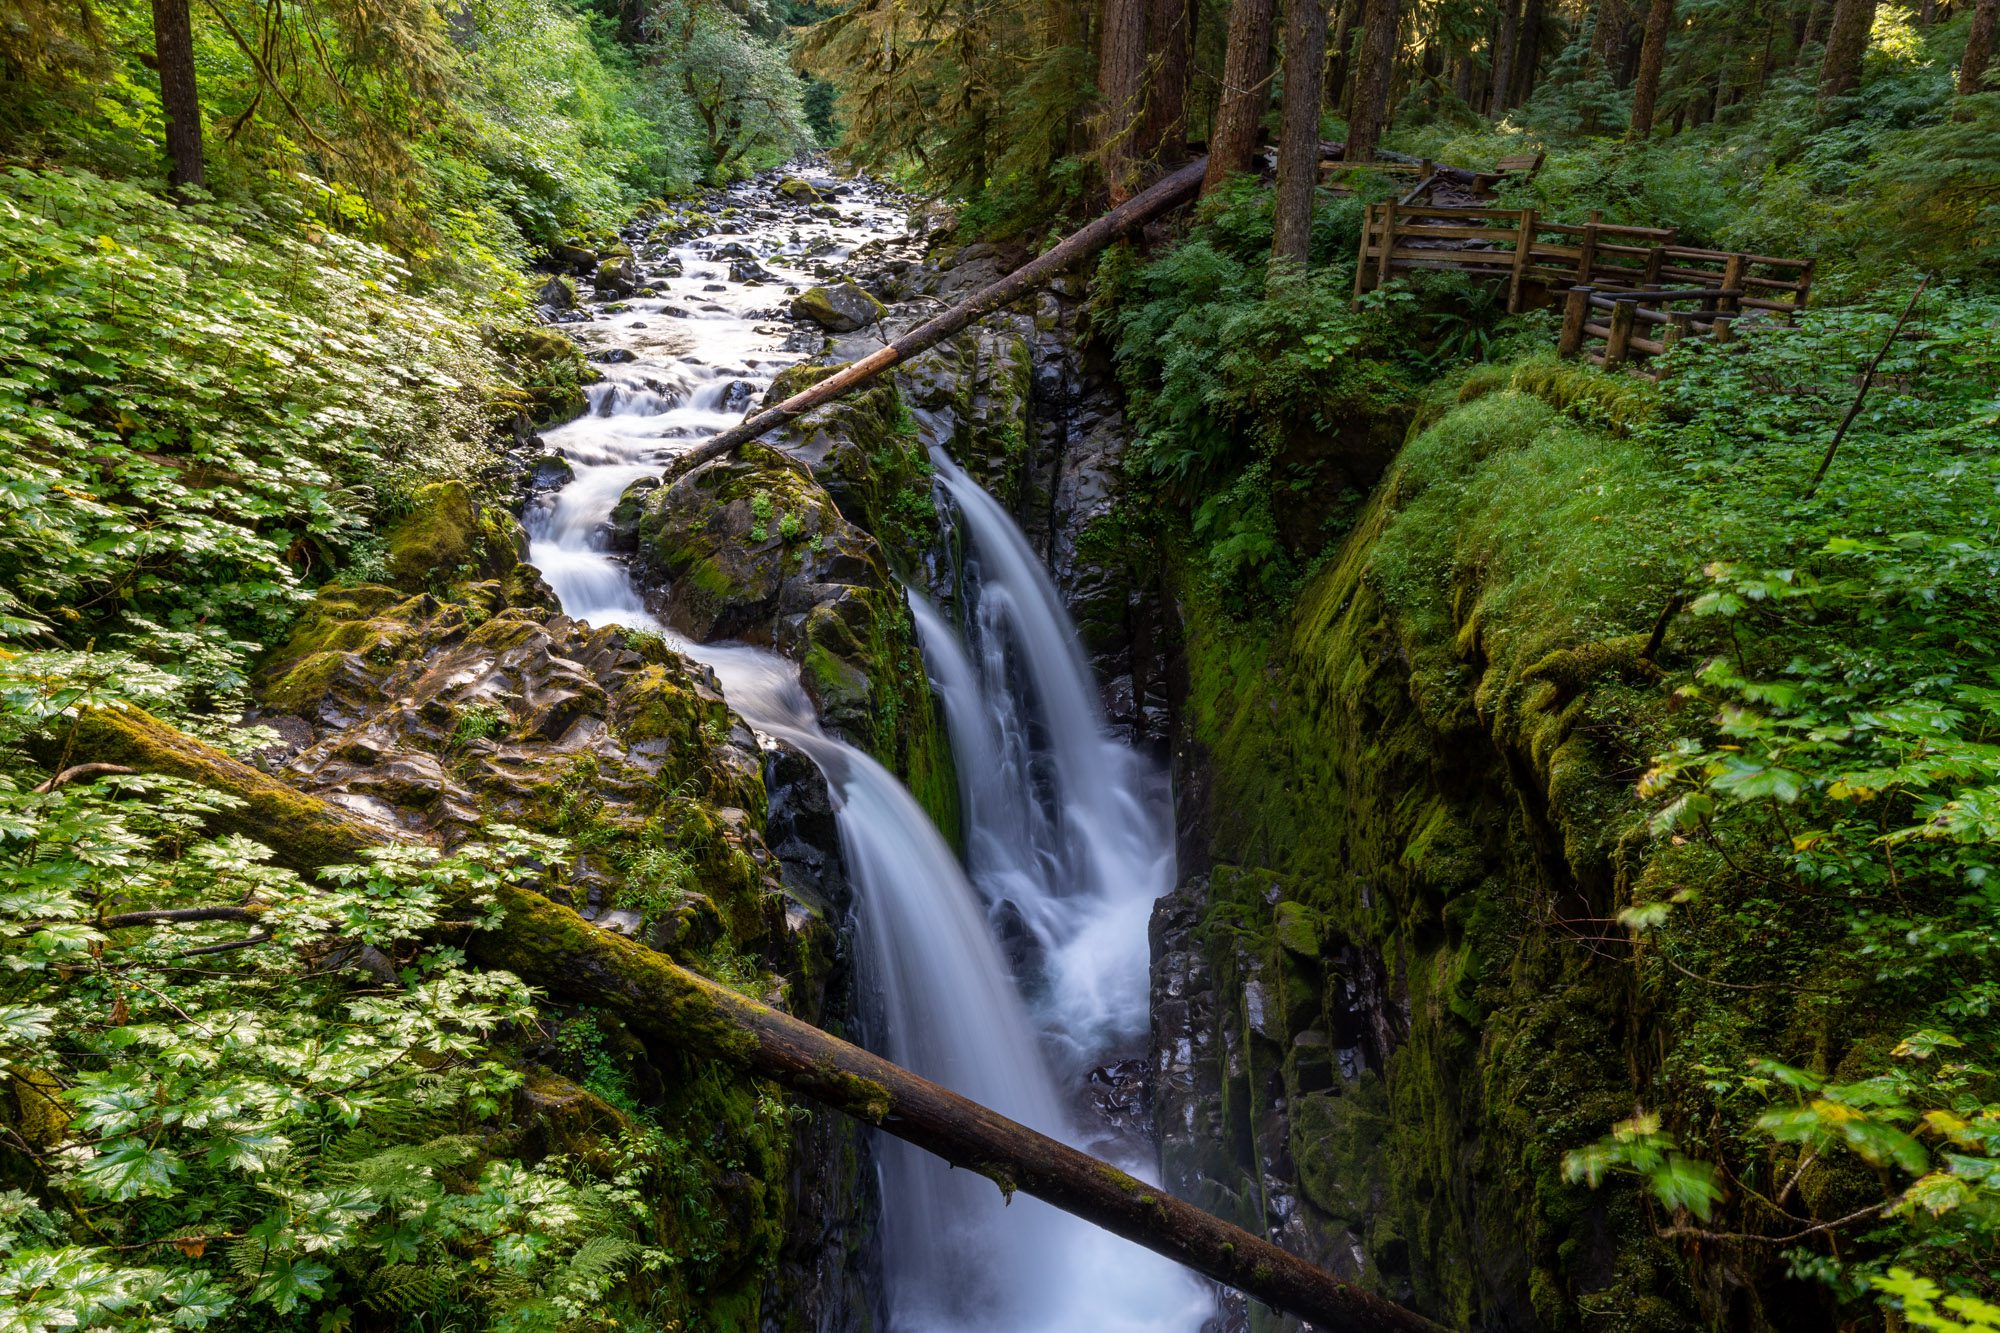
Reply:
x=550, y=946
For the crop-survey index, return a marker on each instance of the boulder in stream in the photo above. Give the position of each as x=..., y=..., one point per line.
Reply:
x=841, y=308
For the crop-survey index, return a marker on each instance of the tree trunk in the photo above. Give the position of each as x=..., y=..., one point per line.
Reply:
x=173, y=50
x=1340, y=63
x=1246, y=90
x=1528, y=52
x=1167, y=193
x=1121, y=64
x=1371, y=85
x=1169, y=55
x=1607, y=39
x=1298, y=133
x=1504, y=38
x=1846, y=43
x=1652, y=58
x=550, y=946
x=1978, y=48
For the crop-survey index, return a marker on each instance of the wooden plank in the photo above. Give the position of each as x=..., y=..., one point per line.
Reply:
x=1388, y=242
x=1649, y=346
x=1361, y=260
x=1434, y=231
x=1588, y=259
x=1509, y=215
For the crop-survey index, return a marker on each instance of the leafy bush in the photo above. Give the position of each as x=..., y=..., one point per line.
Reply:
x=203, y=407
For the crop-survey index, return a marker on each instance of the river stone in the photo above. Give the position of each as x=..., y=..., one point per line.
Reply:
x=558, y=293
x=616, y=276
x=792, y=187
x=842, y=308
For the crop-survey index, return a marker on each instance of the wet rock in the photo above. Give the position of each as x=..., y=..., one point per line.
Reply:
x=623, y=524
x=749, y=271
x=617, y=276
x=715, y=286
x=573, y=259
x=793, y=187
x=558, y=293
x=550, y=474
x=842, y=308
x=613, y=356
x=733, y=250
x=447, y=535
x=737, y=395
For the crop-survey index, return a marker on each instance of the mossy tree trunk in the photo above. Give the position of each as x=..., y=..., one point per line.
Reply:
x=1846, y=44
x=1978, y=48
x=1652, y=58
x=1121, y=64
x=550, y=946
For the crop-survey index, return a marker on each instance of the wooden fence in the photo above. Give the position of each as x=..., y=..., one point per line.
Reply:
x=1631, y=324
x=1539, y=260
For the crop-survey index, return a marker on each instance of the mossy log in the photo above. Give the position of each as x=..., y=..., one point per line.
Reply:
x=550, y=946
x=1164, y=195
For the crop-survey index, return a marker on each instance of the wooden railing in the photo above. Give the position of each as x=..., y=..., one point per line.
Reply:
x=1626, y=323
x=1539, y=260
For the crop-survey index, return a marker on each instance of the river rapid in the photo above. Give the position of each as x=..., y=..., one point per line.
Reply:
x=1067, y=831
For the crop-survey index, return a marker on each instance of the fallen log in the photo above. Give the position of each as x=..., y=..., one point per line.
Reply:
x=1160, y=197
x=552, y=947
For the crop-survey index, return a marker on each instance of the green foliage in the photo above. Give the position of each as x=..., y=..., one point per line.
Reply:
x=739, y=86
x=228, y=1122
x=201, y=407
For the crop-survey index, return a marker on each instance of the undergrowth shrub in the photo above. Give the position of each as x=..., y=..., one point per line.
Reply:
x=201, y=409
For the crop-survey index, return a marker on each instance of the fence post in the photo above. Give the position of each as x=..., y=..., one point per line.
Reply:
x=1588, y=259
x=1388, y=242
x=1576, y=313
x=1524, y=249
x=1722, y=330
x=1361, y=260
x=1678, y=326
x=1616, y=347
x=1732, y=280
x=1655, y=257
x=1805, y=285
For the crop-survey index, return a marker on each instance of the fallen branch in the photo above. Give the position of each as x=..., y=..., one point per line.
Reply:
x=1141, y=208
x=1867, y=383
x=552, y=947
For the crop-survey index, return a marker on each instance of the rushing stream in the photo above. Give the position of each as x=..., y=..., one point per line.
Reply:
x=1067, y=831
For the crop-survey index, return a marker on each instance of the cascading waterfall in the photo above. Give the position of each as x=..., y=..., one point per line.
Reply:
x=1080, y=867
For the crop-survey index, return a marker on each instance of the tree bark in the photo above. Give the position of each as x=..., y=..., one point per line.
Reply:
x=1166, y=194
x=1339, y=64
x=173, y=51
x=1121, y=64
x=1978, y=48
x=1528, y=52
x=1505, y=36
x=1652, y=58
x=1846, y=44
x=549, y=945
x=1298, y=134
x=1607, y=39
x=1371, y=86
x=1246, y=91
x=1169, y=56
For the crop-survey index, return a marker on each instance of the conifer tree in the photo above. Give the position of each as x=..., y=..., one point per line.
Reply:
x=1846, y=43
x=1372, y=69
x=1978, y=48
x=1298, y=135
x=1652, y=57
x=173, y=53
x=1246, y=90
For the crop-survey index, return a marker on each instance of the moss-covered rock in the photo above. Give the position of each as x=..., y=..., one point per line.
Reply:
x=841, y=308
x=448, y=536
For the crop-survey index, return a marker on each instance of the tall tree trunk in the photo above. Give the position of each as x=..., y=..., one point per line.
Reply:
x=1298, y=132
x=1340, y=65
x=1927, y=15
x=1818, y=21
x=1528, y=52
x=1978, y=48
x=1169, y=55
x=1607, y=39
x=1652, y=58
x=1121, y=63
x=1846, y=43
x=1246, y=91
x=173, y=49
x=1504, y=37
x=1371, y=84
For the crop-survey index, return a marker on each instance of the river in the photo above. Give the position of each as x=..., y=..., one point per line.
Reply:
x=1067, y=831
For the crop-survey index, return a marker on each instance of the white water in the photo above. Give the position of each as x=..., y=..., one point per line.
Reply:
x=1081, y=868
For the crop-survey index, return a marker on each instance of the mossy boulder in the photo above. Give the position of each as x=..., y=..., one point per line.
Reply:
x=447, y=536
x=794, y=187
x=752, y=548
x=840, y=308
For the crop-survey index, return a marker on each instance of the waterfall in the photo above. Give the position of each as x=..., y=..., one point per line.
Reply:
x=1061, y=826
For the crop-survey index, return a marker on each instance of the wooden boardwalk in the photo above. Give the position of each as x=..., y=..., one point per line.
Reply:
x=1631, y=280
